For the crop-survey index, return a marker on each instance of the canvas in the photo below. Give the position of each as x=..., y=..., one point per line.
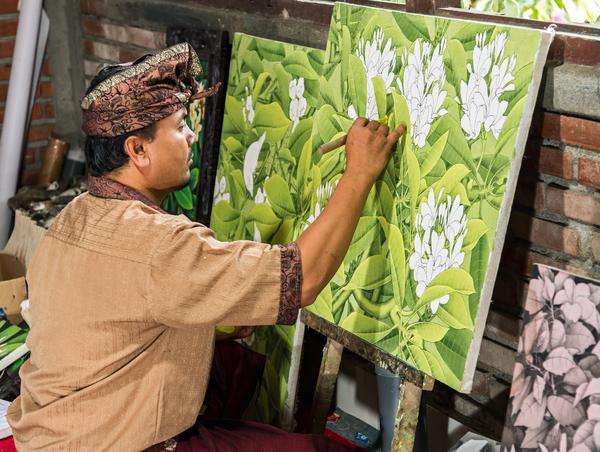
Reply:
x=554, y=400
x=260, y=192
x=417, y=279
x=195, y=199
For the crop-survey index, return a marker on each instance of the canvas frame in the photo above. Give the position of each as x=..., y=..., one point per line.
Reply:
x=213, y=46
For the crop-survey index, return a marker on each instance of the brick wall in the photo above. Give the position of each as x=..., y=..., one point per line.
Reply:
x=42, y=116
x=556, y=214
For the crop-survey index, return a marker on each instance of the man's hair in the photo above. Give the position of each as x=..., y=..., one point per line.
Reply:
x=106, y=154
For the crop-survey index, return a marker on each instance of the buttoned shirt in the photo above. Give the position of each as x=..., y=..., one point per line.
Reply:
x=124, y=300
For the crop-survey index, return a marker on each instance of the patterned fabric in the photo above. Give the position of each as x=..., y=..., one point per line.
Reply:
x=104, y=187
x=291, y=284
x=149, y=90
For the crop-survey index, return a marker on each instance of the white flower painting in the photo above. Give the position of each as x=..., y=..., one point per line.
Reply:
x=378, y=59
x=220, y=193
x=490, y=76
x=250, y=162
x=248, y=110
x=441, y=228
x=298, y=103
x=422, y=87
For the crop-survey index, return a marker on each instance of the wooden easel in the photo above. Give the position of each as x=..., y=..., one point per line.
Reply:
x=412, y=381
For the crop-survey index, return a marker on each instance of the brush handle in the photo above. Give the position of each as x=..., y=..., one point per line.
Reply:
x=332, y=145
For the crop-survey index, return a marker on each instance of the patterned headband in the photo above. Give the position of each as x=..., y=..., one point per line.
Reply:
x=144, y=93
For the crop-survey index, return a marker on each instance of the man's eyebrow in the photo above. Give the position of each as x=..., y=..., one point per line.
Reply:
x=182, y=114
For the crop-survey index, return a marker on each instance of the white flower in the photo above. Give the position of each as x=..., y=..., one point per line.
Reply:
x=441, y=228
x=490, y=76
x=260, y=197
x=378, y=60
x=324, y=192
x=314, y=215
x=298, y=103
x=256, y=237
x=220, y=191
x=250, y=162
x=422, y=87
x=248, y=110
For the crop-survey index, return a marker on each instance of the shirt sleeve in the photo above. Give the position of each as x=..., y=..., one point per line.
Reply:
x=195, y=279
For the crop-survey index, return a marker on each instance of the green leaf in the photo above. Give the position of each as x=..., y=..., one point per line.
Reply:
x=385, y=200
x=324, y=127
x=454, y=348
x=401, y=114
x=279, y=196
x=455, y=313
x=184, y=198
x=271, y=50
x=380, y=95
x=430, y=332
x=331, y=90
x=233, y=122
x=346, y=48
x=258, y=85
x=412, y=26
x=419, y=359
x=397, y=261
x=194, y=176
x=283, y=85
x=253, y=62
x=477, y=269
x=447, y=282
x=300, y=136
x=371, y=273
x=437, y=371
x=455, y=60
x=363, y=237
x=367, y=328
x=475, y=230
x=224, y=219
x=297, y=64
x=413, y=177
x=272, y=120
x=322, y=306
x=457, y=149
x=433, y=154
x=357, y=85
x=304, y=163
x=451, y=179
x=266, y=221
x=285, y=233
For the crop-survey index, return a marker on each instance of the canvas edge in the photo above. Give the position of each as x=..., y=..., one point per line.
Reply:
x=287, y=418
x=485, y=298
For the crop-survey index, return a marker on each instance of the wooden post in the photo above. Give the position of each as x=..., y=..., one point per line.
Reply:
x=330, y=366
x=407, y=417
x=429, y=6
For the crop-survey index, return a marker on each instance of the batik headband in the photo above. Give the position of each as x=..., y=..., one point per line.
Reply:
x=144, y=93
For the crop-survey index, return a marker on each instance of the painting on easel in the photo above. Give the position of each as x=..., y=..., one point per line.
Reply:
x=554, y=400
x=260, y=191
x=417, y=279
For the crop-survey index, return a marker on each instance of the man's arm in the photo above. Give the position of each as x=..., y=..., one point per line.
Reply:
x=324, y=243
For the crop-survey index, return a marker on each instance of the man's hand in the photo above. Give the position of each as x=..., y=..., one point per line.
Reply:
x=368, y=148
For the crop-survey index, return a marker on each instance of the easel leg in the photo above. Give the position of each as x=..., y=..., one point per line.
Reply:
x=407, y=417
x=330, y=366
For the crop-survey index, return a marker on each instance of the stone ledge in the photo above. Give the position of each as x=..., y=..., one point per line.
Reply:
x=573, y=89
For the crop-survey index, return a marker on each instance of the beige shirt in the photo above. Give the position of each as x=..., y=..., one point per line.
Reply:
x=124, y=300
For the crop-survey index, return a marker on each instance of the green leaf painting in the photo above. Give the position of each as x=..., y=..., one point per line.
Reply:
x=264, y=186
x=412, y=279
x=184, y=201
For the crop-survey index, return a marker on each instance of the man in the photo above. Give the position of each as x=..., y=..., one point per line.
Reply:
x=125, y=298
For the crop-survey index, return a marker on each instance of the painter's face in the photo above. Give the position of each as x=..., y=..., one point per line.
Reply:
x=170, y=152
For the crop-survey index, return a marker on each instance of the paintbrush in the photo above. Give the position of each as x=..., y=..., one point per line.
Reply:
x=341, y=141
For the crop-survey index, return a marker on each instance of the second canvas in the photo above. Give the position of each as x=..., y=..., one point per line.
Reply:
x=418, y=276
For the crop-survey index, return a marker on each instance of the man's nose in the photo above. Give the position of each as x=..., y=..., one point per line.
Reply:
x=192, y=137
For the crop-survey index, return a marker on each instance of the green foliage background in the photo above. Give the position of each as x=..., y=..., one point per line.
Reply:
x=373, y=293
x=263, y=69
x=185, y=201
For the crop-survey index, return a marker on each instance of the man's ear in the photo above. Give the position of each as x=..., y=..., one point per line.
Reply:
x=136, y=148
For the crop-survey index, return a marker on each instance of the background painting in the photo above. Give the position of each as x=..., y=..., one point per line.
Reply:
x=418, y=276
x=212, y=47
x=261, y=191
x=554, y=400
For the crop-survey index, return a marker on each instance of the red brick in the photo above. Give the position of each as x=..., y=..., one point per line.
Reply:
x=95, y=7
x=3, y=91
x=5, y=71
x=545, y=234
x=45, y=89
x=578, y=206
x=127, y=35
x=596, y=247
x=589, y=172
x=529, y=192
x=29, y=178
x=48, y=110
x=46, y=70
x=101, y=50
x=31, y=156
x=40, y=132
x=8, y=6
x=551, y=161
x=570, y=130
x=8, y=27
x=7, y=48
x=575, y=49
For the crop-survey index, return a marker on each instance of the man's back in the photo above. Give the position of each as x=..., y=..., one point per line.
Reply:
x=103, y=372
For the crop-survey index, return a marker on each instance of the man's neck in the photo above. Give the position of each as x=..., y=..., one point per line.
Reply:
x=156, y=196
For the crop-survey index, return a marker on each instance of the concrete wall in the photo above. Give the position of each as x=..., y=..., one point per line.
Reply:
x=556, y=215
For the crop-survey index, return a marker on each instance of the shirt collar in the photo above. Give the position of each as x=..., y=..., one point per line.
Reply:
x=104, y=187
